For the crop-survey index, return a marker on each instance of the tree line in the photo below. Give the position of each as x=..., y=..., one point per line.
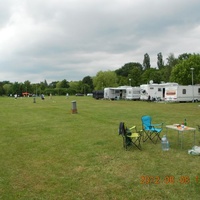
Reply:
x=184, y=70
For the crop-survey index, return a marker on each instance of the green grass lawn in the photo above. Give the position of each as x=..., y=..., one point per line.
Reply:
x=49, y=153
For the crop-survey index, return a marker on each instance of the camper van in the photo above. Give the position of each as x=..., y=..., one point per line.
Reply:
x=154, y=91
x=133, y=93
x=181, y=93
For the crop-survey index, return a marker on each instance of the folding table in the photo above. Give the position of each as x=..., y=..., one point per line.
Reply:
x=181, y=131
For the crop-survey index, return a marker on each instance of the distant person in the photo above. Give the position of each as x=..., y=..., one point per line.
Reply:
x=15, y=96
x=42, y=96
x=67, y=95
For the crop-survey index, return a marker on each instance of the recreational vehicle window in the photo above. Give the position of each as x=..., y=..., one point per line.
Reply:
x=198, y=90
x=144, y=91
x=159, y=90
x=184, y=91
x=170, y=92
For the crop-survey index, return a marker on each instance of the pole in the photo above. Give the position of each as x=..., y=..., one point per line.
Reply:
x=36, y=90
x=192, y=69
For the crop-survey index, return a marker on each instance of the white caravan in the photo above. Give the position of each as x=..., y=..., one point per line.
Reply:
x=154, y=91
x=115, y=93
x=181, y=93
x=107, y=93
x=133, y=93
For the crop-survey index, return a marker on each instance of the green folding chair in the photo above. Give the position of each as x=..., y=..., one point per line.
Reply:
x=131, y=136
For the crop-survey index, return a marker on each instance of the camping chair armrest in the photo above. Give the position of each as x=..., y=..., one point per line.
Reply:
x=157, y=124
x=132, y=127
x=161, y=124
x=140, y=132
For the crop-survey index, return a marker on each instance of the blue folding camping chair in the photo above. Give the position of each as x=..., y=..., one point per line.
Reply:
x=151, y=131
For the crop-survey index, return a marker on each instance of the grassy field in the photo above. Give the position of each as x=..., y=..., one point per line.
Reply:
x=48, y=153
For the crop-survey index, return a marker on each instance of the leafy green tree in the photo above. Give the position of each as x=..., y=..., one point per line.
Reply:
x=165, y=73
x=171, y=60
x=166, y=70
x=61, y=87
x=71, y=91
x=146, y=61
x=75, y=87
x=151, y=74
x=58, y=91
x=35, y=88
x=27, y=87
x=135, y=76
x=182, y=73
x=7, y=88
x=64, y=84
x=17, y=88
x=125, y=70
x=1, y=89
x=88, y=84
x=53, y=84
x=122, y=80
x=160, y=62
x=82, y=87
x=45, y=83
x=59, y=84
x=184, y=56
x=129, y=74
x=41, y=88
x=105, y=79
x=86, y=88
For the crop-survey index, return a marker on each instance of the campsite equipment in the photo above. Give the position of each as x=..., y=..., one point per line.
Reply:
x=185, y=123
x=74, y=107
x=150, y=130
x=165, y=143
x=194, y=151
x=130, y=138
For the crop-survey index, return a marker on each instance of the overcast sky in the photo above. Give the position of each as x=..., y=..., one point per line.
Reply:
x=54, y=40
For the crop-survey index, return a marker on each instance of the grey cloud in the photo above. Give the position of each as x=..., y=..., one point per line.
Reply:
x=70, y=39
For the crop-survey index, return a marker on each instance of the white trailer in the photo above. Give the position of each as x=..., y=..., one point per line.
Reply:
x=182, y=93
x=115, y=93
x=107, y=93
x=154, y=91
x=133, y=93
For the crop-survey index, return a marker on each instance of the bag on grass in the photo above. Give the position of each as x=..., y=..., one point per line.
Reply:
x=194, y=151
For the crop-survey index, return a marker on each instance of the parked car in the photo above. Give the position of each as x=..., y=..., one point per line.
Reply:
x=79, y=94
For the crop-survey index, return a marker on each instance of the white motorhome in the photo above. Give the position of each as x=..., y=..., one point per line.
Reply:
x=181, y=93
x=133, y=93
x=154, y=91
